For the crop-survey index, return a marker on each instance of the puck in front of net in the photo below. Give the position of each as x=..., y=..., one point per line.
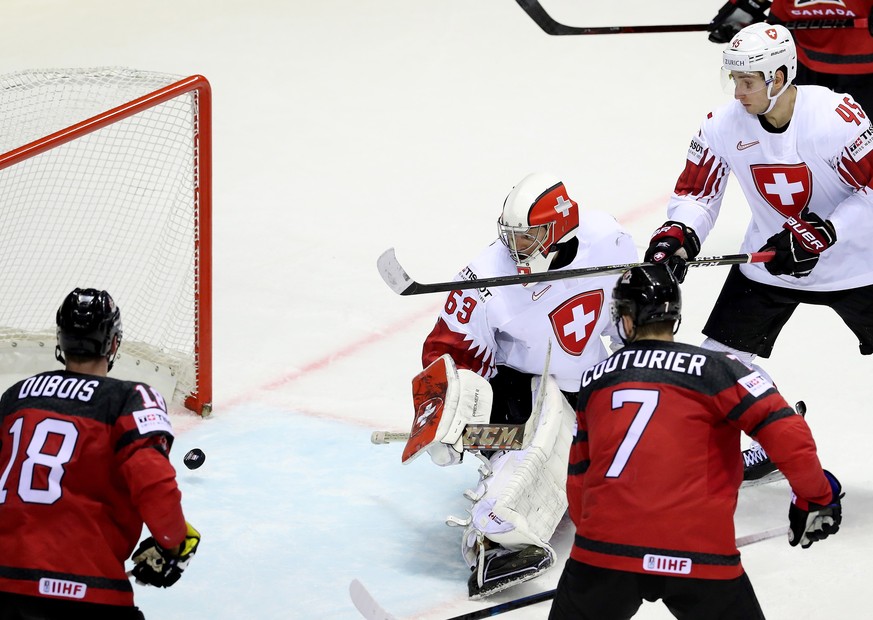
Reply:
x=194, y=459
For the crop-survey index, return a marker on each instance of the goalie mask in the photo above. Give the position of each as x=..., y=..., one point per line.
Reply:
x=88, y=321
x=647, y=294
x=537, y=216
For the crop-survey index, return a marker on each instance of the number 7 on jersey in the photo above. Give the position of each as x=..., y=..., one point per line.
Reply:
x=648, y=402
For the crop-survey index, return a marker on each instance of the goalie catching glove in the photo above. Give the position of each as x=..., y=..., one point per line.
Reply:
x=810, y=522
x=156, y=566
x=799, y=244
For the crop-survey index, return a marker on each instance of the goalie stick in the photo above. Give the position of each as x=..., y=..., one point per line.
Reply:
x=475, y=437
x=398, y=280
x=370, y=609
x=552, y=27
x=381, y=437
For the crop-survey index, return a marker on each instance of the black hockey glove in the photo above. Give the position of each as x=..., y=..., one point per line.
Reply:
x=156, y=566
x=734, y=16
x=810, y=522
x=799, y=244
x=672, y=244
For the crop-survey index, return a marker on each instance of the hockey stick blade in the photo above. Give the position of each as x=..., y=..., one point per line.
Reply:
x=398, y=280
x=552, y=27
x=366, y=604
x=372, y=610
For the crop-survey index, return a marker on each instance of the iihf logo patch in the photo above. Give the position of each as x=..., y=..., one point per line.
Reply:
x=666, y=564
x=62, y=588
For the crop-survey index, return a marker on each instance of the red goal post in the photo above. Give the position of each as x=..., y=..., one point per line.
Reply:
x=105, y=182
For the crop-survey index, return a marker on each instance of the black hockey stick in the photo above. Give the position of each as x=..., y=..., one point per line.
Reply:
x=400, y=282
x=370, y=609
x=545, y=21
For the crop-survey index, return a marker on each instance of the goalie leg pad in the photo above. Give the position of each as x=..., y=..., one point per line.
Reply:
x=524, y=496
x=446, y=400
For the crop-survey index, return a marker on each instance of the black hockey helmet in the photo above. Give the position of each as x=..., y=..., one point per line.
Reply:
x=648, y=294
x=88, y=321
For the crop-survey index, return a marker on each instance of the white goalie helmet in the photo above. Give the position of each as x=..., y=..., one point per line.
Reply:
x=537, y=215
x=762, y=48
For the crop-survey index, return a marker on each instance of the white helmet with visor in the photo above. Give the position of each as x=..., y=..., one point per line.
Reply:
x=537, y=215
x=759, y=48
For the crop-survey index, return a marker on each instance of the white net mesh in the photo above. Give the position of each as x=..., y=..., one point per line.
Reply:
x=114, y=209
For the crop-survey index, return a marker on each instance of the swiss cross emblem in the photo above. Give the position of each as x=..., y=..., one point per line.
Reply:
x=786, y=187
x=771, y=32
x=563, y=206
x=574, y=320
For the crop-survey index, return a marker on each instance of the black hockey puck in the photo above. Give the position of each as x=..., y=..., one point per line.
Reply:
x=194, y=459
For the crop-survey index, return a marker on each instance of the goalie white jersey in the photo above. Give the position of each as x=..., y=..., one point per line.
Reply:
x=822, y=161
x=512, y=325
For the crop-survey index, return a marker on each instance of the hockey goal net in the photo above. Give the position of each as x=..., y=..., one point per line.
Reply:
x=105, y=182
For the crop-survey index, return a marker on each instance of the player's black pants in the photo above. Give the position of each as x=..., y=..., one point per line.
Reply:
x=590, y=593
x=748, y=315
x=18, y=607
x=859, y=86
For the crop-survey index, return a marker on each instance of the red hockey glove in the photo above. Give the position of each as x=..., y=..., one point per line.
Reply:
x=734, y=16
x=799, y=244
x=156, y=566
x=672, y=244
x=810, y=522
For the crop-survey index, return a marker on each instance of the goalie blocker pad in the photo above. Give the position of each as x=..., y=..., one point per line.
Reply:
x=446, y=400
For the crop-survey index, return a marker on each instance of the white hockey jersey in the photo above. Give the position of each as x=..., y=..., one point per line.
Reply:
x=823, y=161
x=512, y=325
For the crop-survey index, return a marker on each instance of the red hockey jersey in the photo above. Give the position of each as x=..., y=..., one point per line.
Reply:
x=83, y=463
x=655, y=467
x=844, y=51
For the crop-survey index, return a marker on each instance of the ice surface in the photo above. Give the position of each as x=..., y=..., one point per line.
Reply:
x=343, y=128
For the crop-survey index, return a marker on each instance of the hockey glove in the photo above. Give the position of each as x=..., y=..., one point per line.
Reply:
x=799, y=244
x=734, y=16
x=809, y=522
x=156, y=566
x=672, y=244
